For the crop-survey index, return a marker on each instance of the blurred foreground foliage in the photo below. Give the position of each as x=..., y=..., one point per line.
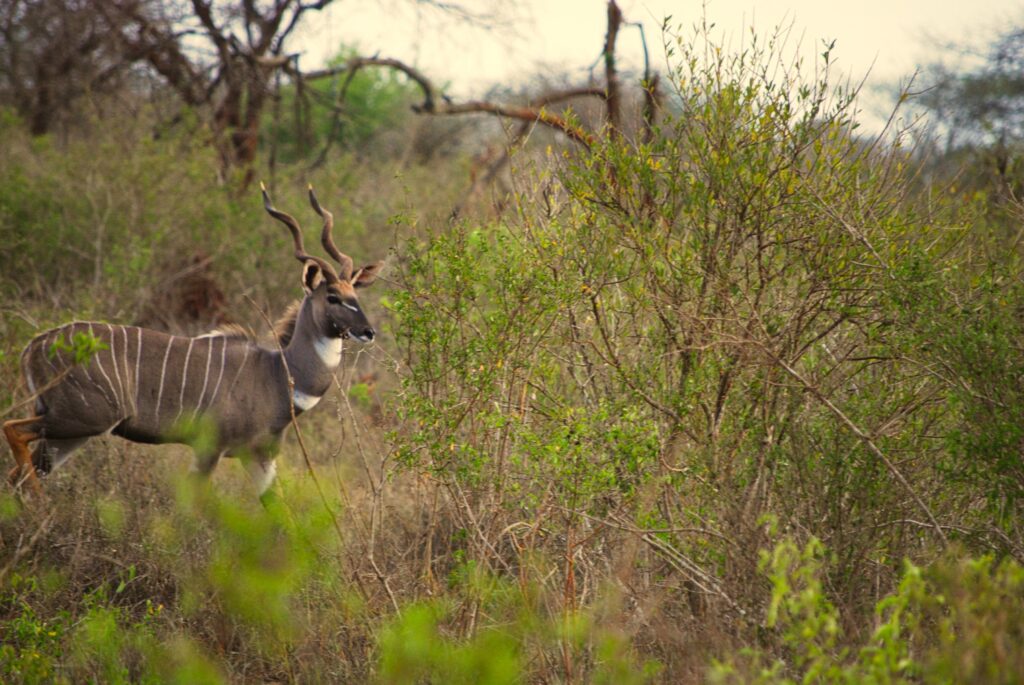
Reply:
x=737, y=402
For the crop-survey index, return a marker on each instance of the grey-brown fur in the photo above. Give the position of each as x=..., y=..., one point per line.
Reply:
x=284, y=327
x=152, y=387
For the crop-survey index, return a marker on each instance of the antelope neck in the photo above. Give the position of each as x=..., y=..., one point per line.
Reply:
x=312, y=358
x=329, y=351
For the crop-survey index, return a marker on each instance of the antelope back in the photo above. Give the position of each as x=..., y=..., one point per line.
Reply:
x=145, y=384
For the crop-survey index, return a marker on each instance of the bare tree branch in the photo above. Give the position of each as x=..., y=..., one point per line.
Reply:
x=356, y=63
x=650, y=83
x=436, y=103
x=610, y=74
x=573, y=131
x=246, y=39
x=294, y=21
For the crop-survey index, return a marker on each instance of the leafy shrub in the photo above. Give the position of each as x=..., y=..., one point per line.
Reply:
x=920, y=627
x=686, y=329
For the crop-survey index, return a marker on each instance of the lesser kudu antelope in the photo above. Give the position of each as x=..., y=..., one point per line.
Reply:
x=149, y=387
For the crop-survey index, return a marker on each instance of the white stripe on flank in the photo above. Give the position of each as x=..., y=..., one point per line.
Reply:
x=28, y=381
x=45, y=350
x=78, y=389
x=220, y=375
x=99, y=364
x=163, y=373
x=329, y=351
x=138, y=360
x=70, y=369
x=206, y=377
x=124, y=360
x=302, y=401
x=48, y=345
x=113, y=361
x=184, y=380
x=239, y=372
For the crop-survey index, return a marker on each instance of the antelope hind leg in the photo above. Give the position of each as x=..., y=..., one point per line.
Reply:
x=49, y=454
x=19, y=433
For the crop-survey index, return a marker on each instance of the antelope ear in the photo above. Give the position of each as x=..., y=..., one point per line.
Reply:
x=367, y=275
x=312, y=276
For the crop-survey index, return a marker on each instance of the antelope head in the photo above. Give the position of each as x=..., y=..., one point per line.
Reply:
x=334, y=304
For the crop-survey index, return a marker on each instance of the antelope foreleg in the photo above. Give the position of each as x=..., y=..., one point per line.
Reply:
x=204, y=464
x=262, y=469
x=19, y=434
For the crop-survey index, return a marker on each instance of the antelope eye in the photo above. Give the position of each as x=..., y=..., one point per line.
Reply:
x=333, y=299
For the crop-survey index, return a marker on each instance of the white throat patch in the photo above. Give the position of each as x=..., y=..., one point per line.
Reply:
x=303, y=401
x=329, y=351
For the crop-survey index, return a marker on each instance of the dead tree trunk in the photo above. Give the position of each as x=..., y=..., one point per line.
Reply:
x=233, y=86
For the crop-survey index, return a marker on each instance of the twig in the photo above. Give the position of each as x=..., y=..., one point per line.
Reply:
x=377, y=490
x=689, y=569
x=23, y=549
x=302, y=444
x=864, y=437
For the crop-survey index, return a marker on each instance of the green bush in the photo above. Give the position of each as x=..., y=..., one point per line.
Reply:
x=957, y=621
x=418, y=645
x=683, y=321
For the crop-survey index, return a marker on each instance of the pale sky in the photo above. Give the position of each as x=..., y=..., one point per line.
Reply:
x=887, y=37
